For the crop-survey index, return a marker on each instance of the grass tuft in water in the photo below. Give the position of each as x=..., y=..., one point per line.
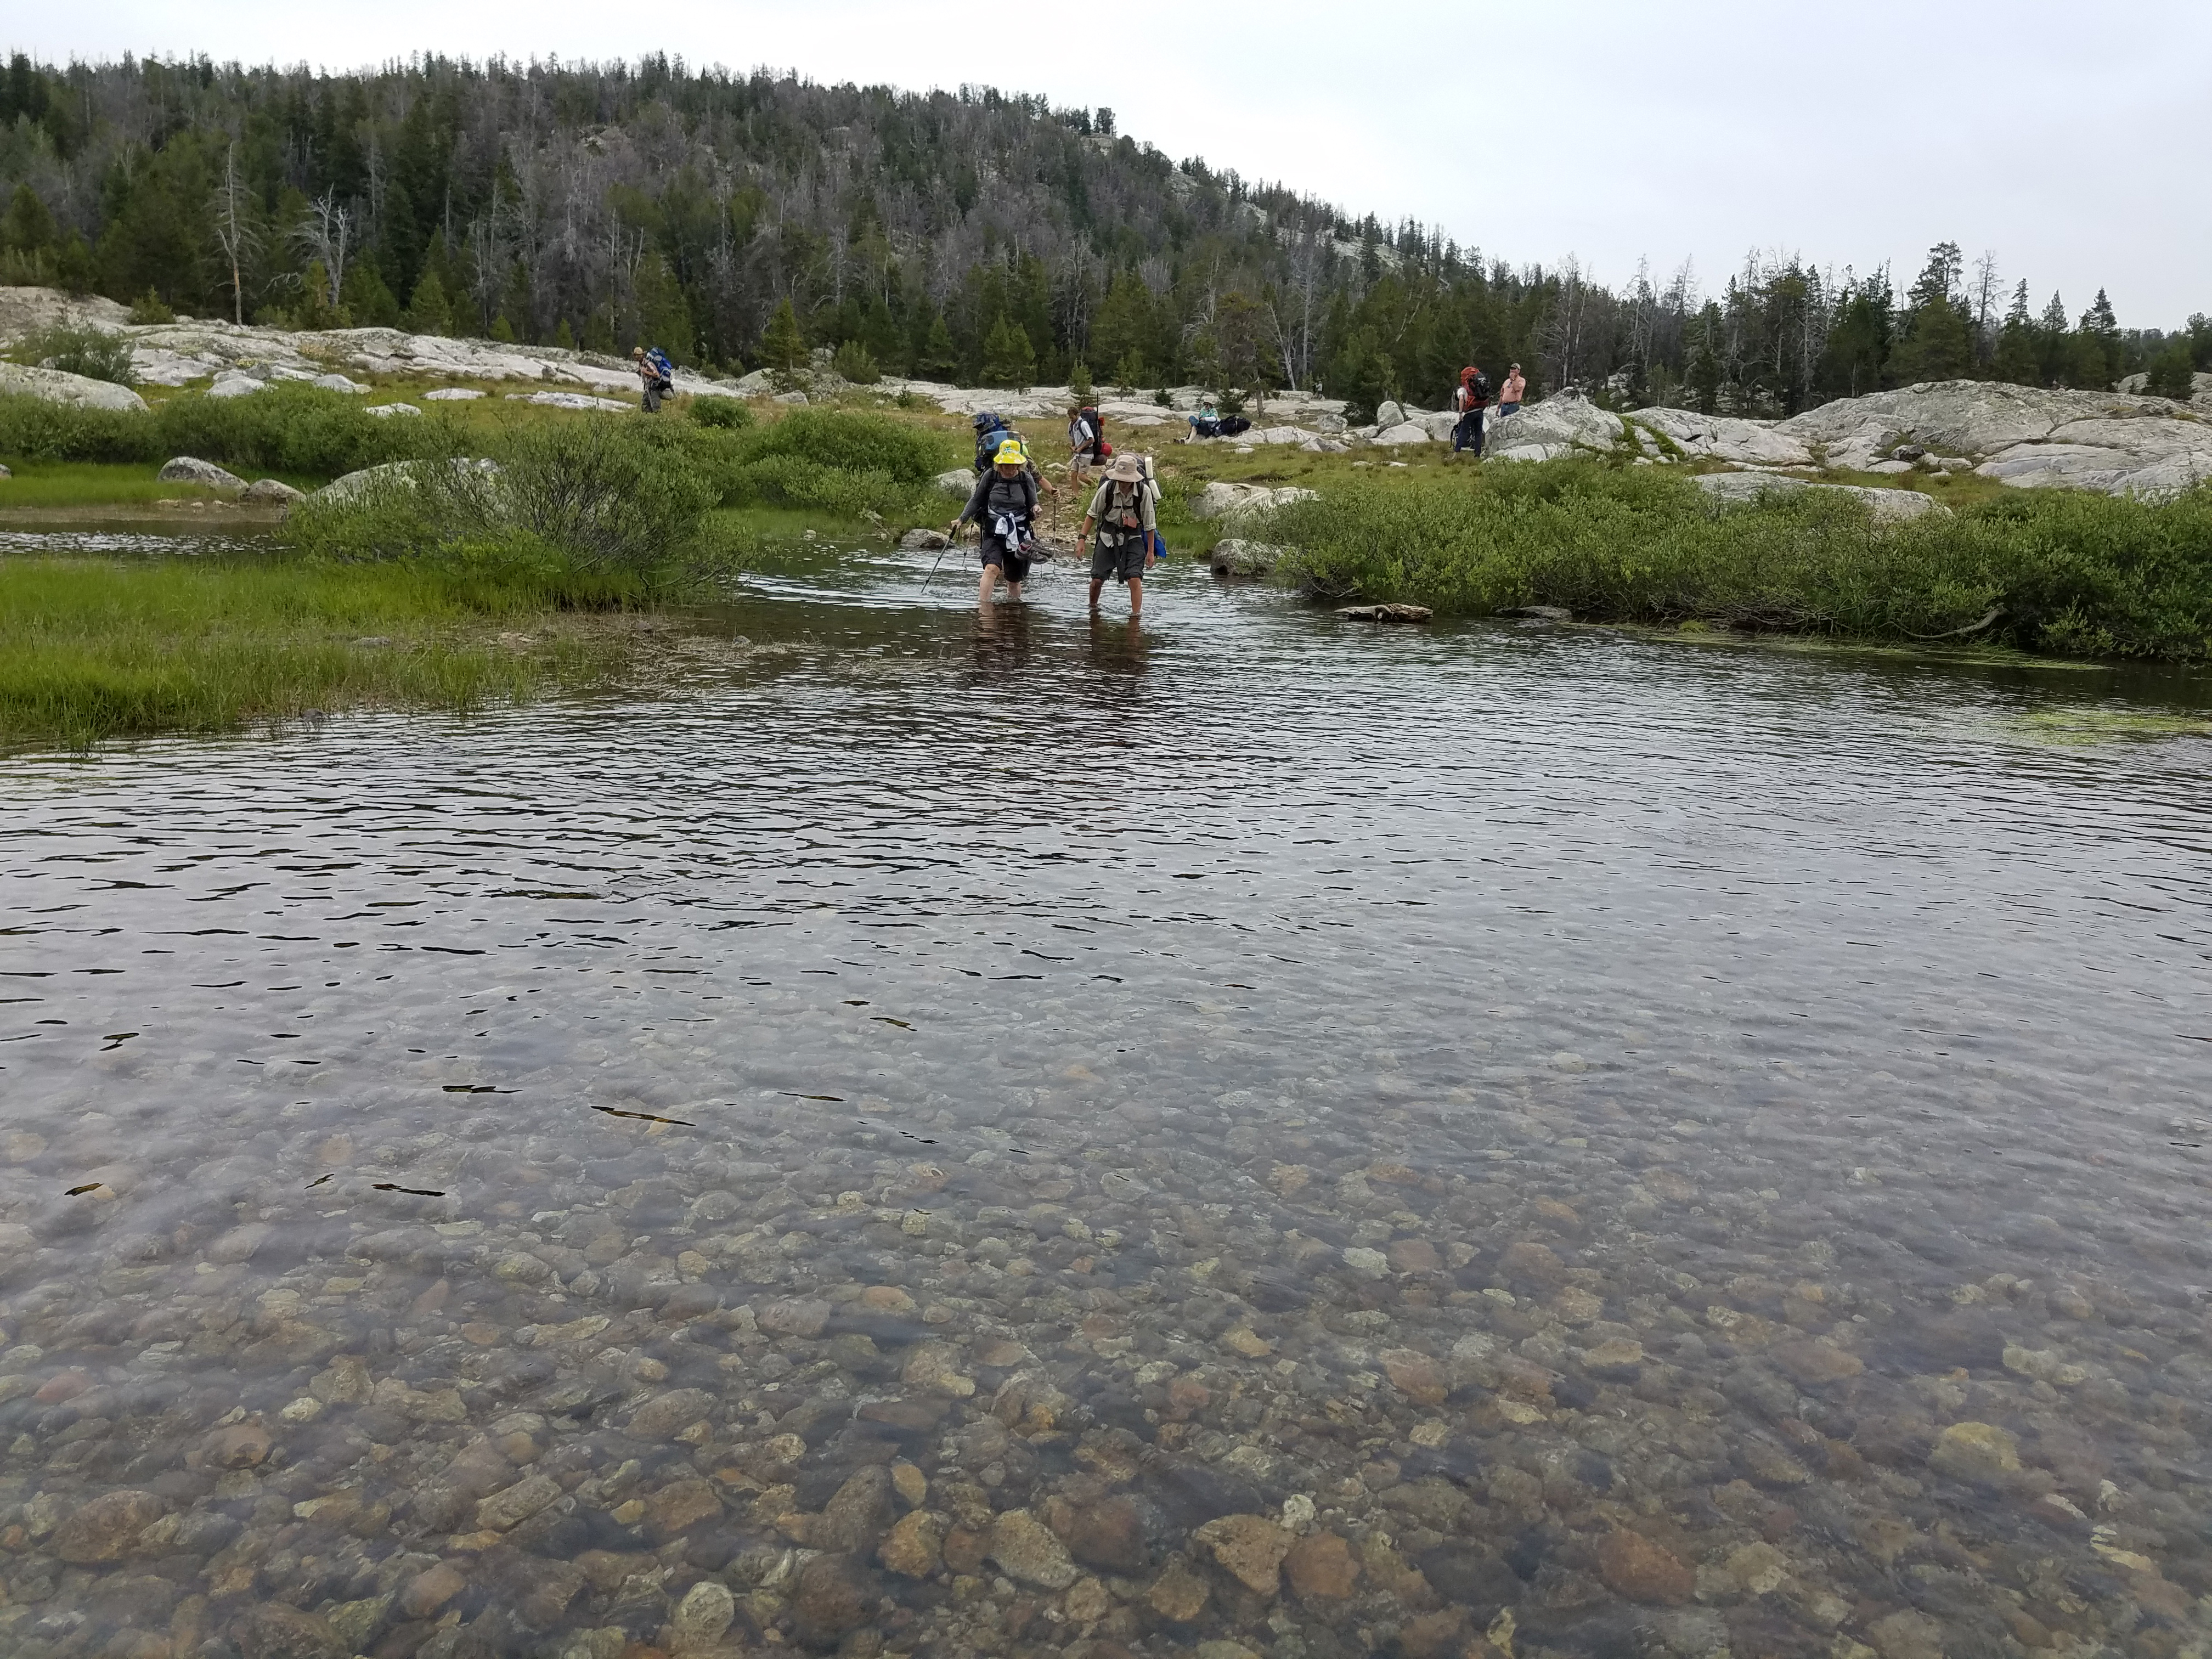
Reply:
x=95, y=649
x=2066, y=572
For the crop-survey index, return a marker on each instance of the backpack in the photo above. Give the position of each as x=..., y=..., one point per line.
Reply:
x=657, y=360
x=1477, y=391
x=986, y=446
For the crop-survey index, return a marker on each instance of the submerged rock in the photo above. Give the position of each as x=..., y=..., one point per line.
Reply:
x=1386, y=613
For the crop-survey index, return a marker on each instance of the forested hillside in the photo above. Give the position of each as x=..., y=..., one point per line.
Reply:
x=979, y=237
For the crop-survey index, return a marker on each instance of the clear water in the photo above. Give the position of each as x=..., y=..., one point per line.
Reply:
x=1597, y=1145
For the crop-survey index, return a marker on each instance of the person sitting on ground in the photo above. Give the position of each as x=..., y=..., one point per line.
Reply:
x=1207, y=422
x=1122, y=513
x=1469, y=399
x=1003, y=507
x=1509, y=395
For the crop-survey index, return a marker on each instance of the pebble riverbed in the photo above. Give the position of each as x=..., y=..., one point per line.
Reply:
x=1254, y=1137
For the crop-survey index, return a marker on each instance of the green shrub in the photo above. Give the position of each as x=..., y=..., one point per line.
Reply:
x=2068, y=572
x=598, y=494
x=727, y=413
x=91, y=352
x=856, y=362
x=291, y=426
x=854, y=441
x=151, y=307
x=794, y=481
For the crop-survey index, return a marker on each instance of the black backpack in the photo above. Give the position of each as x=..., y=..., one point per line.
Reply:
x=1097, y=424
x=1478, y=391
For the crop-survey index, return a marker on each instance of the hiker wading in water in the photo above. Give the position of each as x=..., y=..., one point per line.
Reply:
x=1122, y=512
x=1003, y=508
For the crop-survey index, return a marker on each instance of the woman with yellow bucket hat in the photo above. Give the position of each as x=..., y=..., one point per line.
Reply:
x=1003, y=508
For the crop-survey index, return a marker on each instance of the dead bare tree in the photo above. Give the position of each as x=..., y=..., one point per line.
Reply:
x=325, y=232
x=235, y=232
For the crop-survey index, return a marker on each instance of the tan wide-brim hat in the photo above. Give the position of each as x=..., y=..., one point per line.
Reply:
x=1125, y=470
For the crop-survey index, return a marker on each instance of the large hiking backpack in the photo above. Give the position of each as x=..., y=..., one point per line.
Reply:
x=1478, y=390
x=987, y=439
x=1089, y=417
x=657, y=360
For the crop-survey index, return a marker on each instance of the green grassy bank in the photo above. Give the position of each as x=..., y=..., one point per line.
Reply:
x=94, y=649
x=442, y=584
x=2066, y=574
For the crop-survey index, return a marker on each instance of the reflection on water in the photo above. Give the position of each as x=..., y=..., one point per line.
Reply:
x=134, y=537
x=997, y=1137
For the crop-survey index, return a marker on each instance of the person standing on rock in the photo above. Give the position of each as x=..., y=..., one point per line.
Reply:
x=1469, y=399
x=1003, y=508
x=1509, y=395
x=1121, y=511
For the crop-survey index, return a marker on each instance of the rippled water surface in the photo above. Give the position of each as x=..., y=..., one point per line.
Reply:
x=995, y=1137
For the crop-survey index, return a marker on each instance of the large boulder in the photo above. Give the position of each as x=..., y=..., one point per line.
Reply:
x=1234, y=557
x=961, y=482
x=1978, y=418
x=393, y=475
x=235, y=383
x=1886, y=506
x=190, y=469
x=1222, y=500
x=2145, y=455
x=1564, y=425
x=1403, y=432
x=52, y=386
x=1722, y=438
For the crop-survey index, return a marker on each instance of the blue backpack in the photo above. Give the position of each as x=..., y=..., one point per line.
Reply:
x=661, y=367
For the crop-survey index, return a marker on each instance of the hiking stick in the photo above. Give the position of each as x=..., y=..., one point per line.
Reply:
x=941, y=552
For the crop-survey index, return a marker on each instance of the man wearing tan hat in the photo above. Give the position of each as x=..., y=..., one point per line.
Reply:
x=1123, y=513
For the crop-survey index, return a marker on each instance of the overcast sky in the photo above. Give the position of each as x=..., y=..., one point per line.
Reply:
x=2072, y=140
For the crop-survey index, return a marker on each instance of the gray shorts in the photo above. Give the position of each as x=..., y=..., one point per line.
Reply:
x=1124, y=561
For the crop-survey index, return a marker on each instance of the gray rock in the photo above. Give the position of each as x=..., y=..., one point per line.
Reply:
x=702, y=1615
x=1224, y=501
x=1233, y=555
x=54, y=387
x=272, y=492
x=273, y=1631
x=1564, y=425
x=233, y=383
x=382, y=411
x=1888, y=506
x=190, y=469
x=958, y=482
x=925, y=541
x=452, y=394
x=1718, y=437
x=1401, y=433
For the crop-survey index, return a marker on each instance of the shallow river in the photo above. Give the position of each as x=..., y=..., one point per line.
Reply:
x=1252, y=1136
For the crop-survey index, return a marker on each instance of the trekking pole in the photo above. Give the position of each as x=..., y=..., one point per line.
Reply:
x=941, y=552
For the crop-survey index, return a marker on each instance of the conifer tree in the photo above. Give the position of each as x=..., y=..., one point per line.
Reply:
x=937, y=354
x=428, y=312
x=29, y=227
x=783, y=347
x=1009, y=359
